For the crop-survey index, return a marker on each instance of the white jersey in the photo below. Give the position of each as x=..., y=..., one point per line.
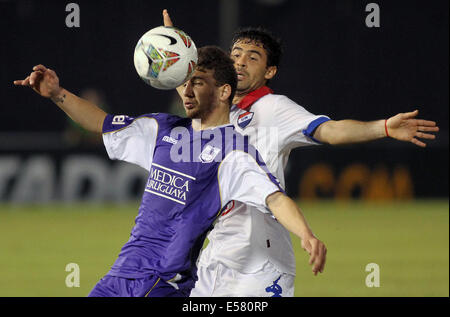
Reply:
x=243, y=239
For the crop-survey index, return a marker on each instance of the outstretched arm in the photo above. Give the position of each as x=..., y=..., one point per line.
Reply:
x=403, y=127
x=45, y=82
x=290, y=216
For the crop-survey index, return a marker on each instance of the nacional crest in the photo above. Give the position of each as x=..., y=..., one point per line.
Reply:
x=208, y=154
x=244, y=119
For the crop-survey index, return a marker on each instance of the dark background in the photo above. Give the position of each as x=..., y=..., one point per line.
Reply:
x=333, y=64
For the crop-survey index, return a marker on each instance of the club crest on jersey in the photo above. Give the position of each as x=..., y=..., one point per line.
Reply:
x=208, y=154
x=244, y=119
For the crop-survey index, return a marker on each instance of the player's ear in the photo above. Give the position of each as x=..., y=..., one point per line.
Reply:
x=225, y=92
x=270, y=72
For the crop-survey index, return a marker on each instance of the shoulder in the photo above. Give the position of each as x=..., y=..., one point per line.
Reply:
x=272, y=104
x=277, y=99
x=114, y=123
x=163, y=117
x=166, y=119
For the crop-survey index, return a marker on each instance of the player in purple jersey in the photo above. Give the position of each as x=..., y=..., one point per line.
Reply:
x=196, y=165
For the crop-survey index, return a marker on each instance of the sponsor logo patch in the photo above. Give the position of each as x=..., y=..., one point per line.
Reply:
x=168, y=183
x=120, y=119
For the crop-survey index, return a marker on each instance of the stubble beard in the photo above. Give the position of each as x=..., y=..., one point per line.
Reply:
x=202, y=112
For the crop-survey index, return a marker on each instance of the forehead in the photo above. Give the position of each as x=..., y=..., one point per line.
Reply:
x=249, y=45
x=203, y=73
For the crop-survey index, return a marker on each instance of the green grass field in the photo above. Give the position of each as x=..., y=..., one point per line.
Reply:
x=409, y=242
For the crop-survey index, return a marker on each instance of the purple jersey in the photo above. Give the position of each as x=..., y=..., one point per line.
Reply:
x=192, y=177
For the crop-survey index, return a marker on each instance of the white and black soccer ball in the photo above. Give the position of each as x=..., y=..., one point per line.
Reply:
x=165, y=57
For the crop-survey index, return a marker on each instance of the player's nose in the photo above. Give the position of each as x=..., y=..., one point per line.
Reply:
x=241, y=61
x=187, y=89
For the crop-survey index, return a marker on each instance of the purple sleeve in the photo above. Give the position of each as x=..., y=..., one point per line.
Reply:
x=116, y=122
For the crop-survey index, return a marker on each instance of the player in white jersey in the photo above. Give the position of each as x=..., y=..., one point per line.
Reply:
x=248, y=253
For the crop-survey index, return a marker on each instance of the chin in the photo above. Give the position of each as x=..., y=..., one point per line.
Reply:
x=192, y=114
x=241, y=86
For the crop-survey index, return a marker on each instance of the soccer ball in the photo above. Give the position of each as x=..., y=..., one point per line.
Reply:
x=165, y=57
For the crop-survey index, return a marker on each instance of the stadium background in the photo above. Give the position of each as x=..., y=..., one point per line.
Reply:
x=384, y=202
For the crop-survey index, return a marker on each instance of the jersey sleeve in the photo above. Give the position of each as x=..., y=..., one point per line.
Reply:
x=130, y=139
x=296, y=125
x=246, y=179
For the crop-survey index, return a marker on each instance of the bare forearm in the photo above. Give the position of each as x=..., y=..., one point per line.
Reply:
x=350, y=131
x=82, y=111
x=289, y=215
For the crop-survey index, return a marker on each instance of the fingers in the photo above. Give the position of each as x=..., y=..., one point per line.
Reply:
x=319, y=259
x=322, y=255
x=35, y=76
x=422, y=135
x=313, y=255
x=409, y=115
x=40, y=67
x=317, y=251
x=425, y=136
x=418, y=143
x=25, y=82
x=424, y=126
x=38, y=70
x=419, y=122
x=428, y=129
x=425, y=123
x=166, y=18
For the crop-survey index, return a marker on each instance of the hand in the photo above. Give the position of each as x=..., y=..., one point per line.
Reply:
x=317, y=251
x=43, y=81
x=404, y=127
x=166, y=18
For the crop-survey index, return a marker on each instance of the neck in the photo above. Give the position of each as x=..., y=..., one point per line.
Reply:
x=237, y=98
x=240, y=94
x=211, y=120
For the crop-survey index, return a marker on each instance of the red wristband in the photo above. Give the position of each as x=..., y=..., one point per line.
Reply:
x=385, y=127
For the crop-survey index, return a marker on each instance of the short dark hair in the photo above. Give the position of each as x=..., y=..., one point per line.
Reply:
x=214, y=58
x=271, y=43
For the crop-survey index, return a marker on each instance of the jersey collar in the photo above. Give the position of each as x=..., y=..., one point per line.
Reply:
x=253, y=96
